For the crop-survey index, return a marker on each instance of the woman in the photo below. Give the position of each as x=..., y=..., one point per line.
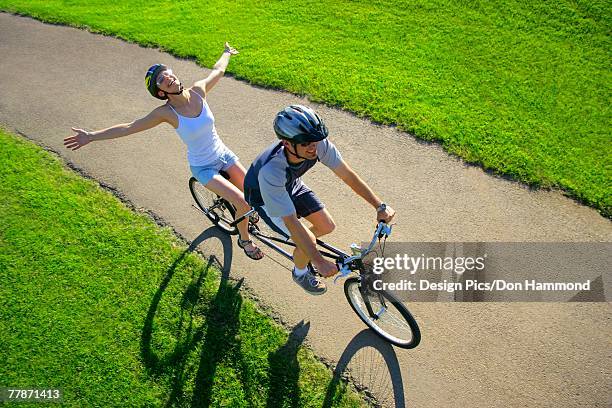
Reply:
x=187, y=111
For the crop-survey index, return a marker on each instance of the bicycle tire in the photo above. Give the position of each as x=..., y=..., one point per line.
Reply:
x=407, y=335
x=217, y=209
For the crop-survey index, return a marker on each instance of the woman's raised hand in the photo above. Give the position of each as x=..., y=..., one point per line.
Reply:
x=230, y=49
x=79, y=140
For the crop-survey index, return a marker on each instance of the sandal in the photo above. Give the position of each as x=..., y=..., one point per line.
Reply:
x=255, y=253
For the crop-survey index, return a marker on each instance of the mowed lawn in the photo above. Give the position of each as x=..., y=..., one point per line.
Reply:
x=101, y=302
x=522, y=88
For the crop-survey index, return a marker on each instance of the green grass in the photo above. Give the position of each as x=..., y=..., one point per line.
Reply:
x=103, y=303
x=521, y=88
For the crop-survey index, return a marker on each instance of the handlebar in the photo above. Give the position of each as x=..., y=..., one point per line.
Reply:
x=383, y=230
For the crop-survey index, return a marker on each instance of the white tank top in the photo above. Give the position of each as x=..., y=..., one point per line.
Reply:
x=199, y=134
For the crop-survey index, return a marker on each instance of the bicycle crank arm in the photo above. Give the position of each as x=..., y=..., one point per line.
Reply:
x=198, y=208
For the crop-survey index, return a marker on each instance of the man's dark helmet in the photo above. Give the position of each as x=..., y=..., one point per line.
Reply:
x=299, y=124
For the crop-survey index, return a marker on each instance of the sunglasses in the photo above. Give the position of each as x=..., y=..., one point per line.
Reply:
x=162, y=75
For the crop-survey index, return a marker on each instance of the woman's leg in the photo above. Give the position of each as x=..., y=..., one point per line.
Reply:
x=237, y=172
x=231, y=193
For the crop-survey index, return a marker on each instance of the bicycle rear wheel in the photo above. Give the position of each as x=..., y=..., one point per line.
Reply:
x=217, y=209
x=391, y=320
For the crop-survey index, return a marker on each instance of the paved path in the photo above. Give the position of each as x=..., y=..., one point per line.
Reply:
x=472, y=355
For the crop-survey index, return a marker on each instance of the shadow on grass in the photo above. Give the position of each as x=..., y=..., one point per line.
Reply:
x=173, y=363
x=372, y=365
x=218, y=338
x=284, y=371
x=221, y=344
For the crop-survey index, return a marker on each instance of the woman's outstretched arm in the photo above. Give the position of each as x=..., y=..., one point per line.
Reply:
x=83, y=137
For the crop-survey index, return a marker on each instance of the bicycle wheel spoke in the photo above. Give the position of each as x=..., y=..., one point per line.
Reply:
x=390, y=318
x=216, y=209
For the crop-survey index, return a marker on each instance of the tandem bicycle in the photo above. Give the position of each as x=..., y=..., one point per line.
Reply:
x=380, y=310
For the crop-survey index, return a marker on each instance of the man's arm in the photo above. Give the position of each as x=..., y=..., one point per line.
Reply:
x=352, y=179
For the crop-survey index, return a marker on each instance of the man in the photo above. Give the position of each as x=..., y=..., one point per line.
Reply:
x=274, y=188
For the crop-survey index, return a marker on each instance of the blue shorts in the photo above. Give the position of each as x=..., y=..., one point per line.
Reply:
x=205, y=173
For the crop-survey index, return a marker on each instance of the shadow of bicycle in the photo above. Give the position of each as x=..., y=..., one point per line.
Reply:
x=284, y=370
x=188, y=332
x=372, y=366
x=188, y=355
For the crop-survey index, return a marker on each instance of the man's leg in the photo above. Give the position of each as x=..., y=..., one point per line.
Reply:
x=322, y=224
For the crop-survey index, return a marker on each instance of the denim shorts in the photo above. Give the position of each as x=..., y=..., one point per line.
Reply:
x=205, y=173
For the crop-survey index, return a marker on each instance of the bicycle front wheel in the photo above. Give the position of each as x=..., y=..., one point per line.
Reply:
x=389, y=318
x=217, y=210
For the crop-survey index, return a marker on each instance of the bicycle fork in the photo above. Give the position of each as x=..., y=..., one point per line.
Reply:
x=365, y=294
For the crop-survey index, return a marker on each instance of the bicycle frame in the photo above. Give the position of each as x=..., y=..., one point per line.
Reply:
x=346, y=264
x=345, y=261
x=269, y=240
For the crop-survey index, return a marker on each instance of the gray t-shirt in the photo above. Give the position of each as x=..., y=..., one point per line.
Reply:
x=272, y=181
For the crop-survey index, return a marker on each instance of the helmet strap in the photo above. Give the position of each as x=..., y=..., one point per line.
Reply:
x=295, y=153
x=180, y=91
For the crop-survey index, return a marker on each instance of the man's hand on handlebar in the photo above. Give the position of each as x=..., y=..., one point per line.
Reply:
x=385, y=215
